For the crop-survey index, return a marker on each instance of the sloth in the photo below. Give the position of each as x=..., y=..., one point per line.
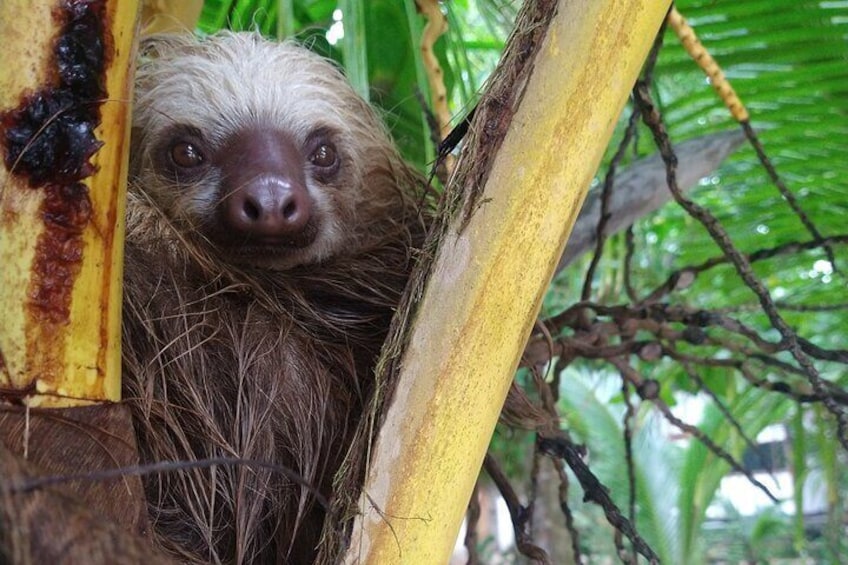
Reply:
x=271, y=228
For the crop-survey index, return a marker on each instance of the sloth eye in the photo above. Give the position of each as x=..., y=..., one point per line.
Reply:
x=324, y=156
x=186, y=155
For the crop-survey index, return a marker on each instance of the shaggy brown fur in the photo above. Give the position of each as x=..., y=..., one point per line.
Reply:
x=233, y=352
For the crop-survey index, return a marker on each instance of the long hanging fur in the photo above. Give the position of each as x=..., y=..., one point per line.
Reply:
x=269, y=362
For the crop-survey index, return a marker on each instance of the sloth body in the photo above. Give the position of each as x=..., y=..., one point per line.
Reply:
x=269, y=228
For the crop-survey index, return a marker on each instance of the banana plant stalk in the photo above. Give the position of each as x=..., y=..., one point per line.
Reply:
x=564, y=79
x=65, y=92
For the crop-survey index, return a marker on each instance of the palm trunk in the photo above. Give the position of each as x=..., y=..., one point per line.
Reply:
x=557, y=94
x=65, y=92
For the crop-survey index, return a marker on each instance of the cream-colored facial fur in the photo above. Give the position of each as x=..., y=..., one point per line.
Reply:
x=221, y=85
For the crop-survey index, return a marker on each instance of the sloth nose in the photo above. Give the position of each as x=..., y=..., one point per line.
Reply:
x=263, y=188
x=268, y=207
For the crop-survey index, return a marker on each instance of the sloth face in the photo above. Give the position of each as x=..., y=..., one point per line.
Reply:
x=261, y=149
x=259, y=195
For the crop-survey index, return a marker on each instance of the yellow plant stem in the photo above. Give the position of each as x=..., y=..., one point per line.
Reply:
x=61, y=231
x=170, y=16
x=488, y=279
x=709, y=65
x=436, y=26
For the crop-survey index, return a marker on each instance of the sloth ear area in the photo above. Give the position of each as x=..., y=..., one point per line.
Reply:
x=160, y=45
x=152, y=46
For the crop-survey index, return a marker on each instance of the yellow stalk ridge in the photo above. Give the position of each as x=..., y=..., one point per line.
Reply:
x=701, y=56
x=64, y=138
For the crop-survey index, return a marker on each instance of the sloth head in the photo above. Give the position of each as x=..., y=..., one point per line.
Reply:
x=261, y=150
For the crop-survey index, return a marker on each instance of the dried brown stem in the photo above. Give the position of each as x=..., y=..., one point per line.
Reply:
x=702, y=386
x=566, y=510
x=606, y=193
x=517, y=513
x=791, y=247
x=785, y=192
x=629, y=414
x=630, y=374
x=560, y=447
x=653, y=120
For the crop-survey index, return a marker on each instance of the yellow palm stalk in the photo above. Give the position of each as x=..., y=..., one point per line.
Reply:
x=65, y=91
x=493, y=265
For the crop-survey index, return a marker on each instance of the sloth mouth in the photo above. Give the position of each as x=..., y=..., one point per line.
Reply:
x=270, y=246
